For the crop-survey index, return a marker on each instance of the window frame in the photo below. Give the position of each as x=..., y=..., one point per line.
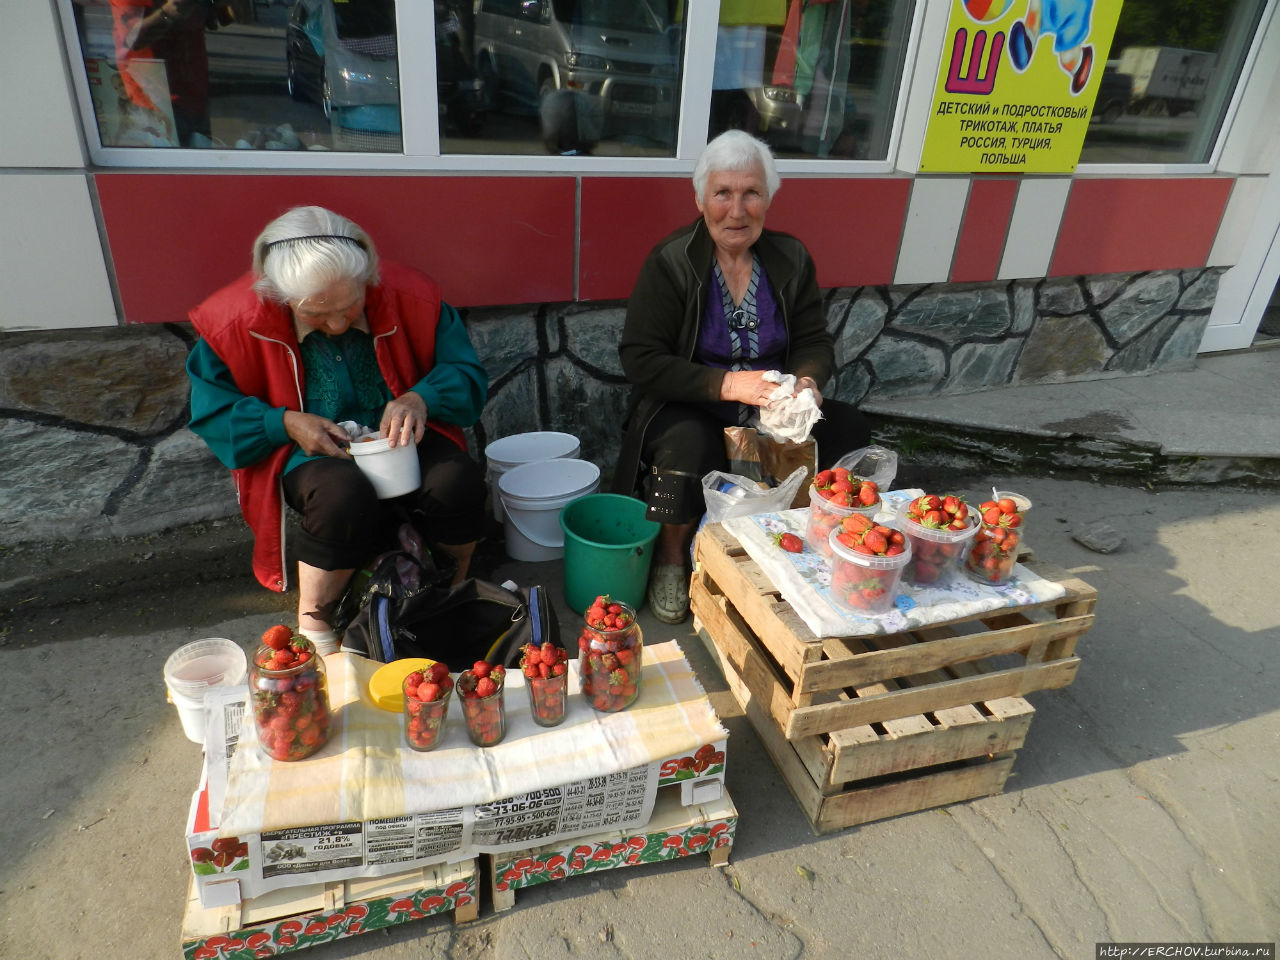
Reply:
x=420, y=128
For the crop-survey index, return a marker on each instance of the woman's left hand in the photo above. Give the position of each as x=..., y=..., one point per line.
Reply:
x=808, y=383
x=404, y=419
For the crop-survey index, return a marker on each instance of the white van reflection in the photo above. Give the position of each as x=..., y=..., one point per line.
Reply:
x=620, y=51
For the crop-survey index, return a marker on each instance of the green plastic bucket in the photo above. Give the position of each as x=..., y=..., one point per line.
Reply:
x=608, y=545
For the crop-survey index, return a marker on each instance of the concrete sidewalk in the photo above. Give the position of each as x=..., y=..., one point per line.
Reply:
x=1144, y=805
x=1218, y=421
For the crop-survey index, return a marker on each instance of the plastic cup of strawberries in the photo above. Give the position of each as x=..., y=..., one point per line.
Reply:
x=994, y=551
x=481, y=689
x=939, y=529
x=426, y=705
x=546, y=677
x=834, y=495
x=610, y=655
x=867, y=560
x=289, y=694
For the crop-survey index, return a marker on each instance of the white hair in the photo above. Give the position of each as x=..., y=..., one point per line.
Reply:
x=735, y=150
x=307, y=249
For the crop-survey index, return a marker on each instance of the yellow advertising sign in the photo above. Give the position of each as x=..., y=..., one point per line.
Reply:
x=1016, y=85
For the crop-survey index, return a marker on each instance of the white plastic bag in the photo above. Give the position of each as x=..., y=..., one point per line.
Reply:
x=730, y=495
x=877, y=464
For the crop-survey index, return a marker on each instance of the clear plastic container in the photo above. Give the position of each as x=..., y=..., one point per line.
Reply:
x=935, y=554
x=991, y=556
x=825, y=516
x=424, y=720
x=862, y=583
x=610, y=661
x=290, y=705
x=547, y=697
x=486, y=716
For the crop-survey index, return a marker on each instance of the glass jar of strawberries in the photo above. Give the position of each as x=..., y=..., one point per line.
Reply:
x=426, y=705
x=610, y=650
x=481, y=689
x=546, y=676
x=289, y=693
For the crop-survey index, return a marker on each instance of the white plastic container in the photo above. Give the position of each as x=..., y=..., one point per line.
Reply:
x=393, y=471
x=507, y=453
x=533, y=494
x=192, y=669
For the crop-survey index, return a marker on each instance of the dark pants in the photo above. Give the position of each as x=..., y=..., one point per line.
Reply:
x=688, y=439
x=344, y=524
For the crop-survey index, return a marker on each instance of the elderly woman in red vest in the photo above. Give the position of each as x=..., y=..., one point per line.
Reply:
x=318, y=333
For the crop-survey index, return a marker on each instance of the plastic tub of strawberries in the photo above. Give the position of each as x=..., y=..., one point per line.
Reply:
x=610, y=655
x=994, y=550
x=834, y=495
x=867, y=560
x=939, y=529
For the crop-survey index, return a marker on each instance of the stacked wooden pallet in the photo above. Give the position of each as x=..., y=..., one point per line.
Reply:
x=869, y=727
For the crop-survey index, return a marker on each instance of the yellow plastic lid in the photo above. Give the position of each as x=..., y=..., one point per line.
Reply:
x=386, y=686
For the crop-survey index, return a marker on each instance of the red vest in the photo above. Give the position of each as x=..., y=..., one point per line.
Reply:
x=255, y=339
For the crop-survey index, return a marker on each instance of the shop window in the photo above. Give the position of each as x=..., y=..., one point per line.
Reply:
x=1173, y=69
x=245, y=74
x=559, y=77
x=815, y=78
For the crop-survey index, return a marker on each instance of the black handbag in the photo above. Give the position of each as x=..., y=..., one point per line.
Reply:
x=409, y=609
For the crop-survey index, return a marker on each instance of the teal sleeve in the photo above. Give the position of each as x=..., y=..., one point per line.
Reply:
x=456, y=388
x=239, y=429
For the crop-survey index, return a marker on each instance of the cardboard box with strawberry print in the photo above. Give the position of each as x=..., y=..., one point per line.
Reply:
x=675, y=831
x=209, y=933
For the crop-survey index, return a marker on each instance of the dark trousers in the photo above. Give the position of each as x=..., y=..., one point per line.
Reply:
x=686, y=438
x=344, y=524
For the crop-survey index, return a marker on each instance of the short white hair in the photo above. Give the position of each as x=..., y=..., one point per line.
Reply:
x=307, y=249
x=735, y=150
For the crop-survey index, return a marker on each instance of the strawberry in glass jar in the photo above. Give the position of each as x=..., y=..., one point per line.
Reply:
x=289, y=695
x=610, y=655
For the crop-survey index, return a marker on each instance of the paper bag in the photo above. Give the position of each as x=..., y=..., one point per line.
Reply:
x=751, y=454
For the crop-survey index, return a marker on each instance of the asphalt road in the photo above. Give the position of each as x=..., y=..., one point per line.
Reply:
x=1144, y=806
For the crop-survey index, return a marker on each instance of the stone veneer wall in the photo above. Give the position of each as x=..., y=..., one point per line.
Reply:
x=92, y=423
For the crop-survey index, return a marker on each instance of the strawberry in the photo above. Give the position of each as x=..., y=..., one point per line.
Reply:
x=549, y=653
x=439, y=672
x=277, y=637
x=480, y=668
x=868, y=493
x=789, y=542
x=485, y=687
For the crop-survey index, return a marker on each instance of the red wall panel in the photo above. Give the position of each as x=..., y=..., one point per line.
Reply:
x=175, y=238
x=982, y=232
x=1118, y=225
x=852, y=227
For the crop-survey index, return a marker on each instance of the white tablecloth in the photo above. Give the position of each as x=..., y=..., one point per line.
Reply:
x=804, y=580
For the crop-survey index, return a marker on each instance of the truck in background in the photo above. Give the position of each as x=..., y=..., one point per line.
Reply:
x=1168, y=76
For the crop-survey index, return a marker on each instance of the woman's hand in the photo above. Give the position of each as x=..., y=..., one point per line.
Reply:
x=808, y=383
x=404, y=420
x=315, y=435
x=747, y=386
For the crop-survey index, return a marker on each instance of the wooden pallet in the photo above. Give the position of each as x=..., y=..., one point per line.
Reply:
x=826, y=684
x=673, y=831
x=298, y=917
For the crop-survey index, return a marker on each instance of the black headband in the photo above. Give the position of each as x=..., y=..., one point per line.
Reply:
x=320, y=236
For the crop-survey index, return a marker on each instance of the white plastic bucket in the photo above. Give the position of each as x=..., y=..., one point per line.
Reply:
x=507, y=453
x=193, y=669
x=393, y=471
x=533, y=494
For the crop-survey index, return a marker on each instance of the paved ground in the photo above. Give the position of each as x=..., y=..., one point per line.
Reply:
x=1144, y=805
